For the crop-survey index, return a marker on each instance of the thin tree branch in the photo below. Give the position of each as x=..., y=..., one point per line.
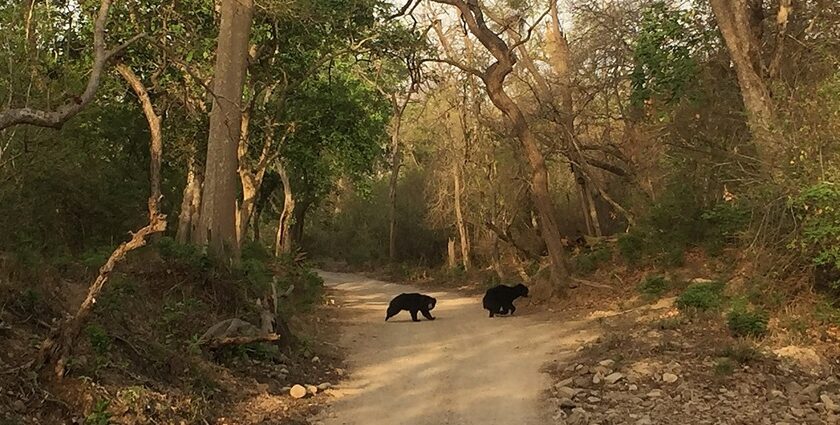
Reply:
x=57, y=118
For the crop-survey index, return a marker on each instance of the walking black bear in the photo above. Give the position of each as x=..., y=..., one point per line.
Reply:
x=499, y=299
x=411, y=303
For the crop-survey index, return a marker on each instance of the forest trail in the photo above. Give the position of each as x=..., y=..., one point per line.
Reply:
x=461, y=369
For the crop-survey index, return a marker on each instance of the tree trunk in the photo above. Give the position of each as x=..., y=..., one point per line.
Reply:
x=494, y=79
x=734, y=20
x=392, y=184
x=57, y=347
x=218, y=210
x=255, y=224
x=283, y=242
x=459, y=219
x=190, y=204
x=450, y=253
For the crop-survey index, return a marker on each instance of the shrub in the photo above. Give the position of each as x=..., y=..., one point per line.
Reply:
x=588, y=262
x=631, y=246
x=742, y=352
x=818, y=208
x=746, y=322
x=99, y=339
x=186, y=254
x=701, y=297
x=653, y=286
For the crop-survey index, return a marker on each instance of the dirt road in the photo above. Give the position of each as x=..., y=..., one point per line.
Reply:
x=461, y=369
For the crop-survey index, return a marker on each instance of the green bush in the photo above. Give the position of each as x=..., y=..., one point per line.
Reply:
x=631, y=246
x=99, y=339
x=653, y=286
x=743, y=321
x=818, y=209
x=187, y=254
x=701, y=297
x=588, y=262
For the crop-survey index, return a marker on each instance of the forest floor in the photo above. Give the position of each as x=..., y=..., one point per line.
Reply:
x=594, y=360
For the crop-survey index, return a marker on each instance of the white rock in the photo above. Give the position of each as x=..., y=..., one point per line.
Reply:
x=830, y=405
x=613, y=378
x=655, y=393
x=632, y=387
x=311, y=389
x=607, y=362
x=669, y=378
x=596, y=378
x=297, y=391
x=324, y=386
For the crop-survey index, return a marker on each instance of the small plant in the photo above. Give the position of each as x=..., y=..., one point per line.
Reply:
x=99, y=339
x=724, y=366
x=742, y=352
x=669, y=323
x=743, y=321
x=630, y=246
x=701, y=297
x=588, y=262
x=653, y=286
x=99, y=415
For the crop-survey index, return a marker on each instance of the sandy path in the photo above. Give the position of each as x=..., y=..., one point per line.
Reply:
x=463, y=368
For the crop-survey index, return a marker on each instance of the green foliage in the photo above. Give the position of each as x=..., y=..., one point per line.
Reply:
x=99, y=339
x=724, y=366
x=742, y=352
x=185, y=254
x=818, y=209
x=743, y=321
x=664, y=66
x=653, y=286
x=631, y=247
x=701, y=297
x=99, y=415
x=588, y=262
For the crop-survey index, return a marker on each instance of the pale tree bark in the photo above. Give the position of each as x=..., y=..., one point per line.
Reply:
x=450, y=253
x=190, y=204
x=734, y=18
x=101, y=57
x=283, y=242
x=251, y=180
x=459, y=217
x=217, y=226
x=560, y=59
x=396, y=163
x=58, y=346
x=494, y=79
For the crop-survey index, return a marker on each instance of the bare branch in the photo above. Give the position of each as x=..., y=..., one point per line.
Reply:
x=57, y=118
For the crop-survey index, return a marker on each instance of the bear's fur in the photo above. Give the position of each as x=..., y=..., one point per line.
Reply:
x=411, y=303
x=499, y=299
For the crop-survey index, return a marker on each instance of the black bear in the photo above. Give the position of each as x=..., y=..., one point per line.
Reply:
x=499, y=299
x=411, y=303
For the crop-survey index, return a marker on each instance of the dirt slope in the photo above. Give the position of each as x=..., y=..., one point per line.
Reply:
x=463, y=368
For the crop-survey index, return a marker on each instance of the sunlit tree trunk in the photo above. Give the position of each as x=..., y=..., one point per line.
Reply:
x=459, y=218
x=283, y=241
x=494, y=79
x=190, y=204
x=735, y=20
x=217, y=227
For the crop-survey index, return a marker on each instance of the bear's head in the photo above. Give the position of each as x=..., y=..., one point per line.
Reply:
x=431, y=302
x=521, y=290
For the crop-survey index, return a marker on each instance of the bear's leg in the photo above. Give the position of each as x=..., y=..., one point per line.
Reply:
x=414, y=316
x=427, y=315
x=512, y=309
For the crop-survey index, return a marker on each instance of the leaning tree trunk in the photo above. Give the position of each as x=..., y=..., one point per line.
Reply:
x=459, y=219
x=283, y=242
x=560, y=59
x=734, y=20
x=392, y=191
x=190, y=204
x=58, y=346
x=494, y=79
x=218, y=210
